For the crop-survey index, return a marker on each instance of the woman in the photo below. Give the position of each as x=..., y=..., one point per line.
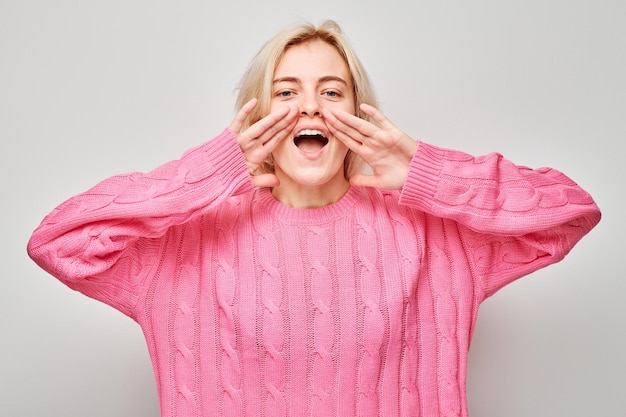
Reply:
x=271, y=276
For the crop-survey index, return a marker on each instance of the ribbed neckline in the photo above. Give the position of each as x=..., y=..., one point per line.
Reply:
x=290, y=215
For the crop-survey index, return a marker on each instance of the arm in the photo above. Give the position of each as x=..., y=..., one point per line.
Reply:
x=104, y=240
x=513, y=220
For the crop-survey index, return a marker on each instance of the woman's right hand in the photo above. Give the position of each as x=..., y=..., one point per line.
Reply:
x=259, y=140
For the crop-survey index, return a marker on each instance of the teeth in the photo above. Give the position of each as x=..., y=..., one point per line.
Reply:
x=311, y=132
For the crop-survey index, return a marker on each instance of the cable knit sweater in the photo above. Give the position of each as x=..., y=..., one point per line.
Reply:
x=364, y=307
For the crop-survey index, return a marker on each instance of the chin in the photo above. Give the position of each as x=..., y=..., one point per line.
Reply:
x=310, y=179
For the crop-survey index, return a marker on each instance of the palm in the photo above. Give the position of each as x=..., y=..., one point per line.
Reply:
x=259, y=140
x=385, y=148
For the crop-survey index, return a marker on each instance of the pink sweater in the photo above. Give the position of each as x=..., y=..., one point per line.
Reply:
x=365, y=307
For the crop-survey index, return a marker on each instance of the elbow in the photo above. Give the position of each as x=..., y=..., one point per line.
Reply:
x=577, y=228
x=34, y=248
x=587, y=222
x=40, y=254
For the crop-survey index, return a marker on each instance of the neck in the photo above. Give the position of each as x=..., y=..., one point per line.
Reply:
x=304, y=197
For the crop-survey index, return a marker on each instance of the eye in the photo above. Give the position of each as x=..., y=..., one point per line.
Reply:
x=331, y=93
x=285, y=94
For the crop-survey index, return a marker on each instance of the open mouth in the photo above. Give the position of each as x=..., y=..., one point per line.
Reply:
x=310, y=140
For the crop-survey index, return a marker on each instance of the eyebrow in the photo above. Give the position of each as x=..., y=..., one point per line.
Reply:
x=321, y=80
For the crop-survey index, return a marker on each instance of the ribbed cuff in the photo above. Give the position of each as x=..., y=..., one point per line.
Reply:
x=221, y=157
x=420, y=187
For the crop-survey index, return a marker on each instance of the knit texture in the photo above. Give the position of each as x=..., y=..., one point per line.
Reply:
x=365, y=307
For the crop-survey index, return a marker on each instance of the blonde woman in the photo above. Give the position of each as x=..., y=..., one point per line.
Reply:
x=272, y=276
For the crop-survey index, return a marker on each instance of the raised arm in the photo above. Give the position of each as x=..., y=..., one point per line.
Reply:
x=109, y=233
x=512, y=219
x=103, y=241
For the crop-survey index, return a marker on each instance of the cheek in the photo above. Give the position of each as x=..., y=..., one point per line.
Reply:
x=275, y=103
x=339, y=155
x=280, y=151
x=347, y=106
x=273, y=106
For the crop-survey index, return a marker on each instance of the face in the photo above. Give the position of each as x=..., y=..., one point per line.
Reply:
x=312, y=76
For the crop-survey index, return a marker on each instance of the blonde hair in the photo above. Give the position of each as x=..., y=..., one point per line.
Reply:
x=257, y=80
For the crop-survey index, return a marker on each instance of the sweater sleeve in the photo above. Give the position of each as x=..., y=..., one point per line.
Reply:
x=103, y=241
x=512, y=220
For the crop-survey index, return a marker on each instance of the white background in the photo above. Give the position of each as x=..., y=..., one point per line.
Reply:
x=89, y=89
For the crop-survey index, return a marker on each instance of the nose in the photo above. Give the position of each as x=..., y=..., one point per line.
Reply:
x=310, y=105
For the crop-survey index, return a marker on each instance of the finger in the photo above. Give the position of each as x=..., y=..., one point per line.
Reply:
x=338, y=130
x=242, y=114
x=352, y=143
x=273, y=123
x=278, y=133
x=377, y=115
x=354, y=126
x=335, y=124
x=342, y=126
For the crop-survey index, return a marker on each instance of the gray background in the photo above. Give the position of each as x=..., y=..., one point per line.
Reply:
x=89, y=89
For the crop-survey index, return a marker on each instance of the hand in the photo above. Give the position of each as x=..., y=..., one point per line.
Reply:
x=385, y=148
x=259, y=140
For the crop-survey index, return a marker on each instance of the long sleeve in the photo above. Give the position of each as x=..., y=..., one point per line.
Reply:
x=109, y=234
x=512, y=220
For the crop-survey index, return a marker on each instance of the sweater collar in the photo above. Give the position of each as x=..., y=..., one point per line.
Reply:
x=286, y=214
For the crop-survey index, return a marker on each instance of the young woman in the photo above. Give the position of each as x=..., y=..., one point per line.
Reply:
x=272, y=276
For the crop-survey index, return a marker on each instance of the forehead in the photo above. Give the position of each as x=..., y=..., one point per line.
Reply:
x=313, y=59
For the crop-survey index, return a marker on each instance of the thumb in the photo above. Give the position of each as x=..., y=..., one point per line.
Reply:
x=265, y=180
x=363, y=180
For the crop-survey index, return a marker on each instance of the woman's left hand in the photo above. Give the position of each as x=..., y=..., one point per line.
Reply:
x=385, y=148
